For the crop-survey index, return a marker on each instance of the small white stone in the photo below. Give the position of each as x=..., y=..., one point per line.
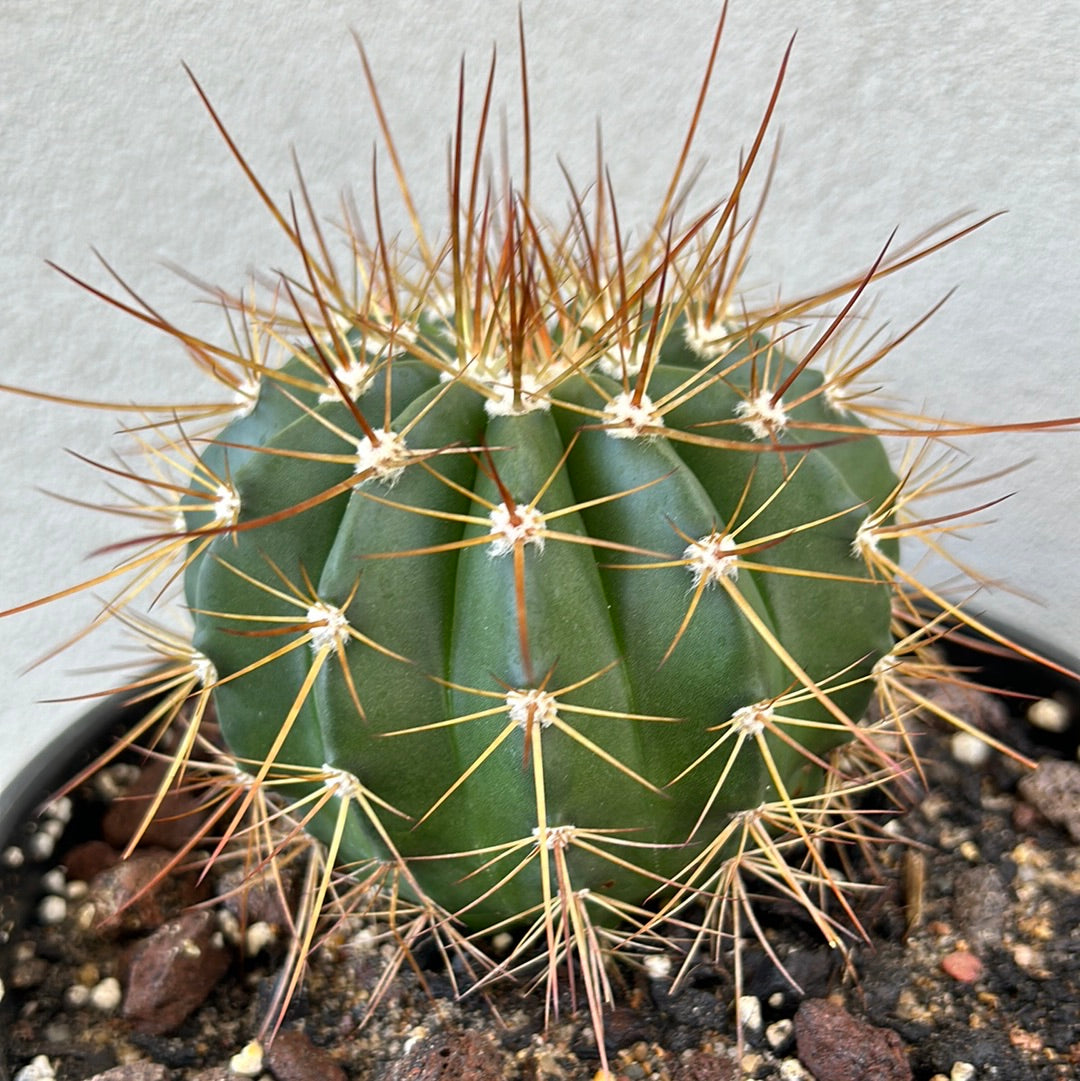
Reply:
x=416, y=1035
x=258, y=936
x=53, y=827
x=749, y=1013
x=76, y=996
x=502, y=942
x=658, y=966
x=106, y=995
x=85, y=916
x=1048, y=714
x=52, y=910
x=60, y=809
x=969, y=750
x=229, y=925
x=791, y=1069
x=248, y=1062
x=12, y=856
x=963, y=1071
x=54, y=881
x=39, y=1069
x=778, y=1035
x=76, y=890
x=40, y=846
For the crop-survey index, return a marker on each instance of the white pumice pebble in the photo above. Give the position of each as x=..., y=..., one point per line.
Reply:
x=52, y=909
x=54, y=881
x=53, y=827
x=257, y=937
x=969, y=750
x=12, y=856
x=106, y=995
x=39, y=1069
x=1048, y=714
x=963, y=1071
x=76, y=996
x=60, y=809
x=658, y=966
x=749, y=1013
x=76, y=890
x=41, y=846
x=248, y=1061
x=779, y=1034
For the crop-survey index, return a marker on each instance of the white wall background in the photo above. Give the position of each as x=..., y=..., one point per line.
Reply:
x=893, y=114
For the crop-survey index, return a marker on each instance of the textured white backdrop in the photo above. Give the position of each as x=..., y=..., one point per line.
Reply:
x=893, y=114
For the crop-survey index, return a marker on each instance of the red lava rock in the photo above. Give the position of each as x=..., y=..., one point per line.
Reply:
x=449, y=1056
x=269, y=894
x=962, y=966
x=134, y=895
x=707, y=1066
x=85, y=861
x=135, y=1071
x=175, y=822
x=834, y=1046
x=293, y=1057
x=172, y=972
x=1054, y=790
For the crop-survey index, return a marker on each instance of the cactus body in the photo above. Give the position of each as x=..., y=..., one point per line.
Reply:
x=570, y=608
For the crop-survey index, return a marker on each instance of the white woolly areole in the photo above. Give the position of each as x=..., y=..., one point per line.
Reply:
x=535, y=706
x=761, y=416
x=226, y=505
x=522, y=525
x=355, y=379
x=245, y=396
x=627, y=419
x=340, y=781
x=711, y=558
x=530, y=398
x=386, y=458
x=884, y=665
x=618, y=364
x=328, y=626
x=751, y=720
x=557, y=836
x=837, y=396
x=203, y=669
x=706, y=340
x=866, y=539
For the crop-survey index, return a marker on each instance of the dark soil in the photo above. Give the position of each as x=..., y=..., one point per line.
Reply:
x=971, y=970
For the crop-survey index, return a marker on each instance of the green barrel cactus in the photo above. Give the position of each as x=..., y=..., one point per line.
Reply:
x=541, y=579
x=541, y=597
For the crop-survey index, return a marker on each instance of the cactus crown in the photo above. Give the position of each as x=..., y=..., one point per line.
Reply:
x=539, y=576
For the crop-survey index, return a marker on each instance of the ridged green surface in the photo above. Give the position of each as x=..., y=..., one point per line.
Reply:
x=597, y=618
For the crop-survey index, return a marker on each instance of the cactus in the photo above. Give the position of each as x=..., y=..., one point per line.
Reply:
x=542, y=580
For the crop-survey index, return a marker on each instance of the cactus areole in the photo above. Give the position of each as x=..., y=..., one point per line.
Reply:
x=544, y=615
